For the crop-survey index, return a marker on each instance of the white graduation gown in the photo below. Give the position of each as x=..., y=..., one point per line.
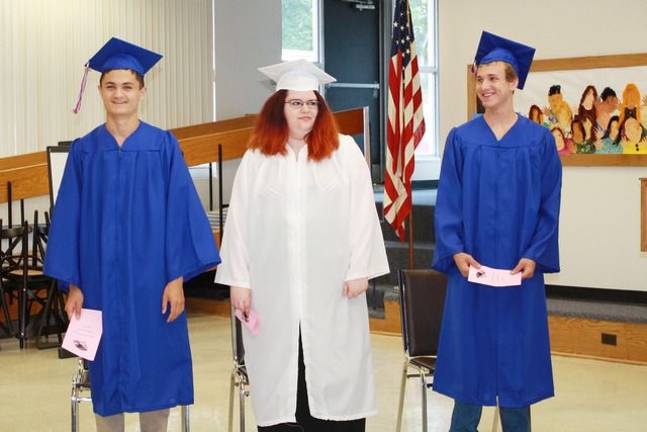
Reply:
x=295, y=231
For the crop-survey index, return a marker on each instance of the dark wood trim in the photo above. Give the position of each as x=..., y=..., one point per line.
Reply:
x=639, y=160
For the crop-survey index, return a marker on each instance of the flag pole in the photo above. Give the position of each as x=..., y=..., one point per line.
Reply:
x=411, y=265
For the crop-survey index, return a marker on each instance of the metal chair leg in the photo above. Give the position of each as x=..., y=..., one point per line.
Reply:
x=403, y=387
x=74, y=399
x=423, y=378
x=232, y=383
x=241, y=405
x=186, y=419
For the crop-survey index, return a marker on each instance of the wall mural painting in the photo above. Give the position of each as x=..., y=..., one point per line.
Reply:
x=590, y=111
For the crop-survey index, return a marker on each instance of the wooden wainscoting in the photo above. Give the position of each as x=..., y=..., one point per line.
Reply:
x=607, y=340
x=570, y=336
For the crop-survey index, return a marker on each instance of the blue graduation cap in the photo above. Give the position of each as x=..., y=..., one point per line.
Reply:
x=118, y=54
x=496, y=48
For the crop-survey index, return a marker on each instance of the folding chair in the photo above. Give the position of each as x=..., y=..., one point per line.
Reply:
x=81, y=392
x=422, y=298
x=239, y=376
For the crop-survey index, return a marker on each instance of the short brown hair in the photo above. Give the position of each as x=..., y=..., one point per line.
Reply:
x=510, y=73
x=139, y=77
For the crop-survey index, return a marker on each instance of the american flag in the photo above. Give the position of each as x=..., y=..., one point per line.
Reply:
x=406, y=124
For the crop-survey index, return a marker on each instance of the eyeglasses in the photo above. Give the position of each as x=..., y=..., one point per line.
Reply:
x=298, y=103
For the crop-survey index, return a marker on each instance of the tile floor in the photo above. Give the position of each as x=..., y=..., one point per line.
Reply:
x=592, y=396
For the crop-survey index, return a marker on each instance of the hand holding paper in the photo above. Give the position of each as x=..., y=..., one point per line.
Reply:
x=493, y=277
x=84, y=333
x=251, y=321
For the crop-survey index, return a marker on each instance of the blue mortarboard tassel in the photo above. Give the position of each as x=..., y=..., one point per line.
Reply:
x=77, y=107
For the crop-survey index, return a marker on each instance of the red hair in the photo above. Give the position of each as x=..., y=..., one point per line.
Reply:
x=271, y=131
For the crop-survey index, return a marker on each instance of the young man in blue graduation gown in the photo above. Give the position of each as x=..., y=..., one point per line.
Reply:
x=498, y=206
x=128, y=228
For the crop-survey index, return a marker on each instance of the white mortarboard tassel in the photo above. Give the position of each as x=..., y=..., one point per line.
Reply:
x=297, y=75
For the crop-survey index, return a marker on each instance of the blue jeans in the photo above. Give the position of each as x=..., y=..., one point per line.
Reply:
x=465, y=418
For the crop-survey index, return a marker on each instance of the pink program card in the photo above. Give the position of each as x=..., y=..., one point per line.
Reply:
x=252, y=322
x=493, y=277
x=83, y=334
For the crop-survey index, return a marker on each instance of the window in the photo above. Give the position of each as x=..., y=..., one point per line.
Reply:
x=300, y=29
x=425, y=27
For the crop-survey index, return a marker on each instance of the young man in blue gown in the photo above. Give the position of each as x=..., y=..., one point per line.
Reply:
x=498, y=206
x=128, y=229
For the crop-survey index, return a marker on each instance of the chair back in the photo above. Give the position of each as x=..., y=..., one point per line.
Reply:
x=13, y=249
x=422, y=299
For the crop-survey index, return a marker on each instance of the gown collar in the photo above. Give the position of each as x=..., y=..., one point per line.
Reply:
x=112, y=142
x=503, y=137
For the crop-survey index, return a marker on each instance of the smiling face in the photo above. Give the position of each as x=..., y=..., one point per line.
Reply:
x=492, y=87
x=301, y=109
x=121, y=92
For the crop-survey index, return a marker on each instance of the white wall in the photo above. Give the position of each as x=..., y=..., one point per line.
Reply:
x=599, y=240
x=247, y=36
x=45, y=44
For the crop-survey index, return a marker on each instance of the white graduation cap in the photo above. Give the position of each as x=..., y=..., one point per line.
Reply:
x=297, y=75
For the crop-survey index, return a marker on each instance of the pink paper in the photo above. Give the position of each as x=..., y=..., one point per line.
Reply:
x=83, y=334
x=493, y=277
x=252, y=323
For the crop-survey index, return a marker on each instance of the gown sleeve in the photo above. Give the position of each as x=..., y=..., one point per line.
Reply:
x=234, y=270
x=367, y=252
x=190, y=246
x=62, y=257
x=543, y=247
x=448, y=212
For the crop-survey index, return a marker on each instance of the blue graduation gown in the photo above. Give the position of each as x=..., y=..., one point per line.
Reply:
x=127, y=221
x=499, y=202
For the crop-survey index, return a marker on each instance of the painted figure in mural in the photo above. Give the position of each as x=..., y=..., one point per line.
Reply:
x=586, y=109
x=535, y=114
x=605, y=108
x=630, y=106
x=563, y=146
x=590, y=134
x=558, y=111
x=611, y=139
x=633, y=136
x=578, y=135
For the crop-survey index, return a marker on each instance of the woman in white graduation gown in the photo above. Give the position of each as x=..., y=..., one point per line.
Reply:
x=301, y=240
